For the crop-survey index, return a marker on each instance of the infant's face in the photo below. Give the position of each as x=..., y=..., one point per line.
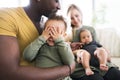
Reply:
x=86, y=37
x=55, y=25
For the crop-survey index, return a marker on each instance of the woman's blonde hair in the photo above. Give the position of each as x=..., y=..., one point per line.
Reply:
x=73, y=6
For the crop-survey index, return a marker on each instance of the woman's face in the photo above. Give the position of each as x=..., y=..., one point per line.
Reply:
x=76, y=18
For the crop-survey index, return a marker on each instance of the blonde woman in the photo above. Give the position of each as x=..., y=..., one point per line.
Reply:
x=76, y=16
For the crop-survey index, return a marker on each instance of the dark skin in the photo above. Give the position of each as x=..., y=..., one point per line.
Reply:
x=35, y=11
x=10, y=53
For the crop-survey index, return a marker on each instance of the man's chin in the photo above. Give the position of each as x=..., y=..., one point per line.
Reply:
x=50, y=13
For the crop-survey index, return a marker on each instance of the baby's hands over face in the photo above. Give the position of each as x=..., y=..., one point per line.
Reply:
x=56, y=32
x=46, y=32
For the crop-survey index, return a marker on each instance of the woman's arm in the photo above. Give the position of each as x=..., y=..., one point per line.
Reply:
x=10, y=68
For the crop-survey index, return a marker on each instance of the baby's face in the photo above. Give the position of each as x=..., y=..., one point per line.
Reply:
x=55, y=26
x=86, y=37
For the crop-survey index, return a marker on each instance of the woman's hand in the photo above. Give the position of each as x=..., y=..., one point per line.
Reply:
x=76, y=45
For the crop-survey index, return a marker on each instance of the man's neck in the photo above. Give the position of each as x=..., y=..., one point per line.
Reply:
x=34, y=17
x=33, y=14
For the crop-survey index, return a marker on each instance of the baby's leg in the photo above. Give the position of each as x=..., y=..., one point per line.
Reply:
x=85, y=58
x=102, y=56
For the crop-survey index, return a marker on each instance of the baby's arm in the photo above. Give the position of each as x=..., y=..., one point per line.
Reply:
x=64, y=51
x=32, y=49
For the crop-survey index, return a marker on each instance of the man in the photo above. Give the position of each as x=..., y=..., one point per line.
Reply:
x=18, y=28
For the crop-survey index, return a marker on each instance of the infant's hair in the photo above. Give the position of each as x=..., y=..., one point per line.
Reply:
x=82, y=30
x=57, y=18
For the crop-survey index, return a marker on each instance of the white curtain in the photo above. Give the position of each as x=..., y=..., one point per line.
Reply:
x=109, y=38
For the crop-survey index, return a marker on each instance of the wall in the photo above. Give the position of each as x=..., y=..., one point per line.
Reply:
x=110, y=40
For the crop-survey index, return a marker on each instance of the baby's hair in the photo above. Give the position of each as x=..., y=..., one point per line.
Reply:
x=58, y=18
x=82, y=30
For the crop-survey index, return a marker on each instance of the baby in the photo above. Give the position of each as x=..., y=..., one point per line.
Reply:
x=93, y=55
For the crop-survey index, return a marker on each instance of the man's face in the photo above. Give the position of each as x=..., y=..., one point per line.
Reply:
x=50, y=6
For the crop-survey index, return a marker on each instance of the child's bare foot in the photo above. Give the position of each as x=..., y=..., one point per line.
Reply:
x=103, y=67
x=88, y=72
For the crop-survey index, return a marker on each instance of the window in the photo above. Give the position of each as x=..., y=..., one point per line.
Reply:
x=107, y=14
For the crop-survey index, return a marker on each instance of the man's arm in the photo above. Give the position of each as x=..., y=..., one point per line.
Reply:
x=11, y=70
